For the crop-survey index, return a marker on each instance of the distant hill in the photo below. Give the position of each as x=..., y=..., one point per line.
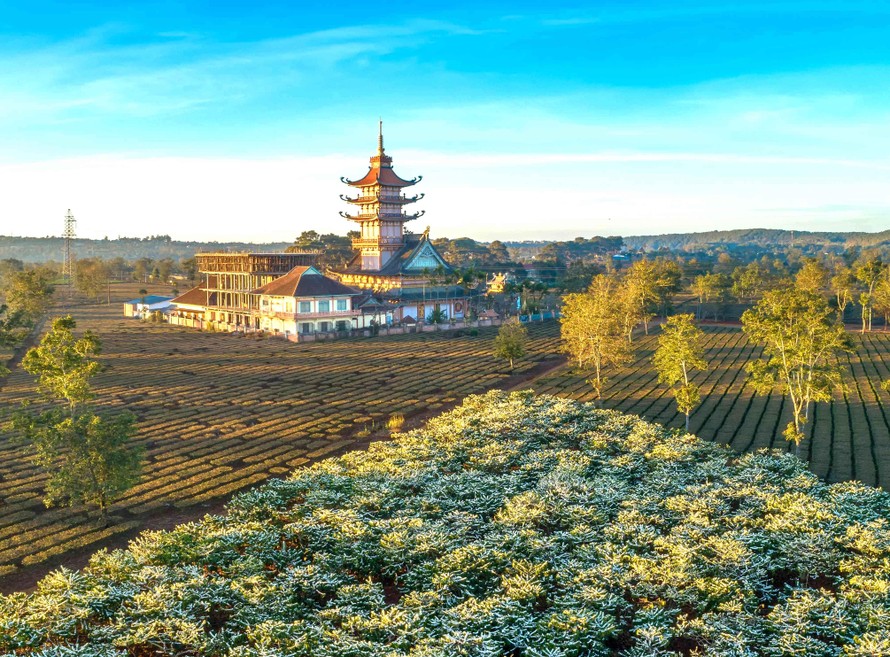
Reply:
x=156, y=247
x=762, y=237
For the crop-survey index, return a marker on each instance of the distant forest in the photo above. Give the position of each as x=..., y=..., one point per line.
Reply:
x=767, y=238
x=156, y=247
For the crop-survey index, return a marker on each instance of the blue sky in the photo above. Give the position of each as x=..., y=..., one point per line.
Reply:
x=226, y=121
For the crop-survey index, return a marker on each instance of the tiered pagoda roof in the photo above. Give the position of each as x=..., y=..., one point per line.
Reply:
x=380, y=197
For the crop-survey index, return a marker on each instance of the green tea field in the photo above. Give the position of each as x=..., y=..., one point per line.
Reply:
x=850, y=437
x=217, y=413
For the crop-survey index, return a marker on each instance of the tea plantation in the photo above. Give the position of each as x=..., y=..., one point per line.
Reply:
x=515, y=525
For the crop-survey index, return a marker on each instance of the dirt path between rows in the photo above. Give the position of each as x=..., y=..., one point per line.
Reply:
x=27, y=577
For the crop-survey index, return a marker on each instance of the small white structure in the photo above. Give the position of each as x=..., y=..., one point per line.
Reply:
x=144, y=306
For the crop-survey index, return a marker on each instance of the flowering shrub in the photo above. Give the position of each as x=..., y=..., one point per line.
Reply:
x=513, y=525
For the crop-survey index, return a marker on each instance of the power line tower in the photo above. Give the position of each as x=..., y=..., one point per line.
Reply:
x=68, y=235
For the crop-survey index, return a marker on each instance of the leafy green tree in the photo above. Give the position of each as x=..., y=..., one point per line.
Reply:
x=332, y=250
x=577, y=276
x=309, y=239
x=11, y=330
x=725, y=264
x=118, y=268
x=868, y=273
x=881, y=299
x=88, y=456
x=800, y=342
x=750, y=281
x=680, y=351
x=593, y=330
x=843, y=285
x=436, y=316
x=141, y=269
x=92, y=277
x=509, y=343
x=9, y=266
x=627, y=308
x=497, y=253
x=865, y=303
x=64, y=363
x=29, y=293
x=668, y=278
x=642, y=290
x=189, y=267
x=711, y=287
x=7, y=336
x=470, y=279
x=812, y=277
x=531, y=295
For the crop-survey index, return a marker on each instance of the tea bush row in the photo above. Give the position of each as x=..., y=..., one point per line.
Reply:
x=513, y=525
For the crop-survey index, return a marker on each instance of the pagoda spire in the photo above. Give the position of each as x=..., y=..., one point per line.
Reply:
x=380, y=204
x=380, y=137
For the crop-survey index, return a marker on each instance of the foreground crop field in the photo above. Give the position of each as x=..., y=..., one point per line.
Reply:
x=851, y=438
x=514, y=525
x=218, y=413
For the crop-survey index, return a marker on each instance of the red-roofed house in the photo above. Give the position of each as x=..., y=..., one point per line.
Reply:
x=306, y=301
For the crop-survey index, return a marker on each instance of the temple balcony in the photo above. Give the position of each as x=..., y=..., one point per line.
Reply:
x=332, y=313
x=374, y=242
x=382, y=216
x=396, y=199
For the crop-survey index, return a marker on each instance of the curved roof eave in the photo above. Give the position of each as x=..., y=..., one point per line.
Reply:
x=382, y=176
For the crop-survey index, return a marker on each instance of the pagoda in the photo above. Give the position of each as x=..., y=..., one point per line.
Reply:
x=380, y=203
x=402, y=272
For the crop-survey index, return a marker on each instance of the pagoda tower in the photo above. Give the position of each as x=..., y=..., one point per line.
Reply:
x=380, y=216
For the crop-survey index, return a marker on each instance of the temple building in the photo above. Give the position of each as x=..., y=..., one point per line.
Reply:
x=401, y=271
x=394, y=276
x=275, y=292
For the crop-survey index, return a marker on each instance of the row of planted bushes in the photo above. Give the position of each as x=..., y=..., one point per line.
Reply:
x=849, y=437
x=513, y=525
x=205, y=401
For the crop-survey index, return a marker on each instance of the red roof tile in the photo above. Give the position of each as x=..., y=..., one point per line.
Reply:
x=197, y=296
x=304, y=282
x=382, y=175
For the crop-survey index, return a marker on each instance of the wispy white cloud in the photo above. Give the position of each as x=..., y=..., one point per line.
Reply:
x=490, y=143
x=184, y=70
